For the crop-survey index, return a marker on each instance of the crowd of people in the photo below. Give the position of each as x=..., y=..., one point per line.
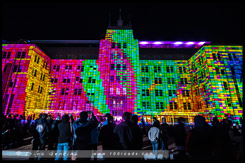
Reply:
x=221, y=140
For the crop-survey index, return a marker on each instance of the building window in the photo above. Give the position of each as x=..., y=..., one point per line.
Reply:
x=82, y=68
x=168, y=80
x=78, y=67
x=112, y=66
x=9, y=53
x=118, y=66
x=75, y=92
x=156, y=92
x=68, y=80
x=180, y=69
x=174, y=92
x=219, y=56
x=18, y=55
x=4, y=54
x=93, y=81
x=81, y=80
x=117, y=78
x=169, y=92
x=214, y=56
x=175, y=105
x=66, y=67
x=230, y=57
x=113, y=45
x=89, y=79
x=124, y=67
x=64, y=80
x=79, y=91
x=225, y=85
x=171, y=105
x=189, y=106
x=124, y=78
x=185, y=107
x=70, y=67
x=167, y=68
x=32, y=85
x=124, y=45
x=15, y=68
x=119, y=45
x=56, y=80
x=111, y=78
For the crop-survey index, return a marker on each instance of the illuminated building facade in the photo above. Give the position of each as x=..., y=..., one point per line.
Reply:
x=206, y=83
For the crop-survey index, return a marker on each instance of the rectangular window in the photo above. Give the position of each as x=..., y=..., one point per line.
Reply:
x=157, y=105
x=143, y=80
x=68, y=80
x=124, y=45
x=9, y=53
x=172, y=69
x=189, y=106
x=4, y=54
x=219, y=57
x=142, y=68
x=77, y=78
x=225, y=85
x=156, y=92
x=222, y=72
x=147, y=92
x=173, y=81
x=146, y=69
x=175, y=105
x=93, y=81
x=5, y=68
x=155, y=69
x=171, y=105
x=15, y=68
x=56, y=80
x=118, y=78
x=81, y=80
x=181, y=81
x=180, y=69
x=167, y=68
x=118, y=67
x=58, y=68
x=23, y=55
x=234, y=55
x=185, y=80
x=113, y=45
x=168, y=80
x=161, y=105
x=147, y=80
x=80, y=92
x=52, y=80
x=124, y=78
x=37, y=60
x=185, y=107
x=174, y=92
x=70, y=67
x=230, y=57
x=184, y=69
x=89, y=79
x=78, y=67
x=119, y=45
x=82, y=68
x=111, y=78
x=124, y=67
x=18, y=55
x=161, y=92
x=112, y=66
x=169, y=92
x=32, y=85
x=214, y=56
x=188, y=93
x=143, y=92
x=67, y=89
x=64, y=80
x=75, y=92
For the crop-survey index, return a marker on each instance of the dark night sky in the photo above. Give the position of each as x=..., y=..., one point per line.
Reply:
x=219, y=23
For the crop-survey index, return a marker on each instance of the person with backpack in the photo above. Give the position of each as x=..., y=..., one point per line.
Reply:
x=164, y=128
x=82, y=133
x=154, y=136
x=65, y=137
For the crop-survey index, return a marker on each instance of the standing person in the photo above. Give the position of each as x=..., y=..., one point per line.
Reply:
x=50, y=122
x=199, y=142
x=43, y=130
x=107, y=137
x=55, y=131
x=94, y=140
x=154, y=120
x=180, y=135
x=106, y=121
x=137, y=132
x=124, y=131
x=82, y=133
x=164, y=128
x=143, y=126
x=65, y=137
x=154, y=136
x=71, y=118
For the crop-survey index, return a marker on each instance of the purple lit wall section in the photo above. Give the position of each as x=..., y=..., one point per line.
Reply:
x=172, y=44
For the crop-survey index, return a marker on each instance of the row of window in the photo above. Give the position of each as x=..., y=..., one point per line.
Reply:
x=157, y=69
x=146, y=92
x=118, y=78
x=172, y=105
x=118, y=45
x=118, y=67
x=57, y=67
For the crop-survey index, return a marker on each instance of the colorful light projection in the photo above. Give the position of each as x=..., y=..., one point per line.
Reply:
x=209, y=82
x=25, y=77
x=172, y=44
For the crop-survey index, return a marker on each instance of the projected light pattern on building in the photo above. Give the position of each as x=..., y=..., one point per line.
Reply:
x=208, y=83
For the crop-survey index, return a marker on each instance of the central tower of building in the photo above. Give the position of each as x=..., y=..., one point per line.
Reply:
x=118, y=65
